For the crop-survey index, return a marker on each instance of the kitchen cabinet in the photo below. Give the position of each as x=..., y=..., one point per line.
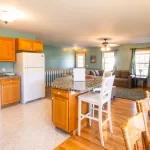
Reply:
x=29, y=45
x=7, y=49
x=24, y=44
x=10, y=90
x=65, y=110
x=37, y=46
x=60, y=111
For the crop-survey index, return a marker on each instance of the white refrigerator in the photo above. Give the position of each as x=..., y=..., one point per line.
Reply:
x=31, y=68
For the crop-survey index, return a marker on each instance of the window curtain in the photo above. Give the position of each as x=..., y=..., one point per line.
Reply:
x=115, y=61
x=132, y=65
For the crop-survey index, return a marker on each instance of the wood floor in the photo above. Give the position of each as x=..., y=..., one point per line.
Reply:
x=89, y=139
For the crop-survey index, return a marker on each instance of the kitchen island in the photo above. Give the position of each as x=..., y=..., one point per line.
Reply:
x=65, y=101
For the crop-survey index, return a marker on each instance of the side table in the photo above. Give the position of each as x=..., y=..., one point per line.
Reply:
x=140, y=78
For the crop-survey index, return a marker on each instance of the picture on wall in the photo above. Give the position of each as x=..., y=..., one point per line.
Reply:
x=93, y=59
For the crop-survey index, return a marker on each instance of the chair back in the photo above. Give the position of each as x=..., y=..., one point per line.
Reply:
x=132, y=131
x=145, y=104
x=106, y=89
x=142, y=106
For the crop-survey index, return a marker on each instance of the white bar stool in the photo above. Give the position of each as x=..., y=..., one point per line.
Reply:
x=97, y=99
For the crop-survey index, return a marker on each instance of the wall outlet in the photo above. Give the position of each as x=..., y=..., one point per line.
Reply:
x=3, y=69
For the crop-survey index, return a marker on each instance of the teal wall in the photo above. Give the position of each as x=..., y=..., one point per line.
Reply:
x=124, y=54
x=56, y=57
x=13, y=34
x=93, y=51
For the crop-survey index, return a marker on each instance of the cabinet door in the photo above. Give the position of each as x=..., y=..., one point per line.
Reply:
x=24, y=44
x=60, y=112
x=7, y=49
x=37, y=46
x=10, y=93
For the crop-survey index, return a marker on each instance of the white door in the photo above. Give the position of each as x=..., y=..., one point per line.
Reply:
x=34, y=84
x=34, y=60
x=80, y=60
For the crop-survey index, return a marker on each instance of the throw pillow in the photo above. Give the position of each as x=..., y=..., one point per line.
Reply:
x=92, y=73
x=96, y=72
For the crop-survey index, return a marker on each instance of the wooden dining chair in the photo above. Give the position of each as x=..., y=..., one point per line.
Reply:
x=132, y=131
x=146, y=103
x=143, y=106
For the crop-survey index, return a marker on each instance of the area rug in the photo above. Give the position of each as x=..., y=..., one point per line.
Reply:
x=131, y=94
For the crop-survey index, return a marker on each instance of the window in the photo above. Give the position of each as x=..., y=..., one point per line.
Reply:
x=142, y=62
x=108, y=61
x=80, y=60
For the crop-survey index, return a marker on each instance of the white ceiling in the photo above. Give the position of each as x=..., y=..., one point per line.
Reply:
x=82, y=22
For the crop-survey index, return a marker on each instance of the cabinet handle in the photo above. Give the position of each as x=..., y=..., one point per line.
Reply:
x=58, y=92
x=52, y=98
x=10, y=81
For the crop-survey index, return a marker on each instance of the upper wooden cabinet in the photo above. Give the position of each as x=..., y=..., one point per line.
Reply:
x=29, y=45
x=23, y=44
x=37, y=46
x=7, y=49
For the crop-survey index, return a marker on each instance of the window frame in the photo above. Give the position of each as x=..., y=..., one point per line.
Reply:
x=142, y=52
x=103, y=60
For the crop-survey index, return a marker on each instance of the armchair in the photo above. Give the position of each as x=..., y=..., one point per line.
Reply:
x=123, y=79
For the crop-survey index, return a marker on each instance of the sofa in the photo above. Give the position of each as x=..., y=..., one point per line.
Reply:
x=123, y=78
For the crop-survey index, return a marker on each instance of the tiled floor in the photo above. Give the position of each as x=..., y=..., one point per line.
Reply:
x=29, y=127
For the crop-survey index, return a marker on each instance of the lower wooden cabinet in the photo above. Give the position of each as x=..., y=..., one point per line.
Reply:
x=60, y=112
x=65, y=109
x=10, y=91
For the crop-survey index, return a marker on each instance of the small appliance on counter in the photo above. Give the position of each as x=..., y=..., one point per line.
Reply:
x=79, y=74
x=9, y=74
x=2, y=74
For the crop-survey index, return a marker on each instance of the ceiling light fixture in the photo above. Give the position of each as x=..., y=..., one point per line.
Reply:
x=75, y=48
x=7, y=16
x=105, y=46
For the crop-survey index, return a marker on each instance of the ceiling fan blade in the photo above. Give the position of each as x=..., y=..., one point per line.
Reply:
x=109, y=45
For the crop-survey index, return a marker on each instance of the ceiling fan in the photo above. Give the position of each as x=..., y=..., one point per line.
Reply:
x=105, y=45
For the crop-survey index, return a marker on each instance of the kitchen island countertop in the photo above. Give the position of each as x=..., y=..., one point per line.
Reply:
x=67, y=83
